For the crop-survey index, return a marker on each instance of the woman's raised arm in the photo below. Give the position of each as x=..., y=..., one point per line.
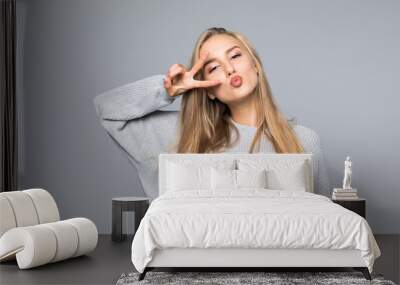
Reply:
x=133, y=100
x=131, y=117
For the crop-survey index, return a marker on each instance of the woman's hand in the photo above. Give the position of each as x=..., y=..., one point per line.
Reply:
x=180, y=80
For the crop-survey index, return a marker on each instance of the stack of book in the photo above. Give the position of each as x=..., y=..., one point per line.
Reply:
x=344, y=194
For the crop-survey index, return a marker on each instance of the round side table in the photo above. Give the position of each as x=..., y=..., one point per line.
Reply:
x=138, y=205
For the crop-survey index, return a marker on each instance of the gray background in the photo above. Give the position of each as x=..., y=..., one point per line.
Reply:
x=334, y=65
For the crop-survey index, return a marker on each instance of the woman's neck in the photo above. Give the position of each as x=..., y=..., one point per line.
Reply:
x=244, y=112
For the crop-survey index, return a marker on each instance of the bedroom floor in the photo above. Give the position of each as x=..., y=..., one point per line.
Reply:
x=111, y=259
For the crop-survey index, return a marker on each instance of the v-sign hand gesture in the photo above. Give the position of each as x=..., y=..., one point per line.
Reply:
x=180, y=80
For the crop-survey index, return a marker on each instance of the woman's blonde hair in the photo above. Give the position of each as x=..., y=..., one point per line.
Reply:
x=205, y=125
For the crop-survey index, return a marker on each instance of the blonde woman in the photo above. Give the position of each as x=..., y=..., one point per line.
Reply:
x=227, y=106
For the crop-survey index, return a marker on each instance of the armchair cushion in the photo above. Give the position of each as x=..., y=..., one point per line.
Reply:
x=31, y=231
x=27, y=208
x=46, y=243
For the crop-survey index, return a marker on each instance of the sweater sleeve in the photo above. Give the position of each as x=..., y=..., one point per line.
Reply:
x=322, y=182
x=130, y=114
x=132, y=100
x=312, y=144
x=323, y=177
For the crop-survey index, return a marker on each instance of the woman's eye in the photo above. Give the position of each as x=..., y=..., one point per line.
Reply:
x=211, y=70
x=235, y=56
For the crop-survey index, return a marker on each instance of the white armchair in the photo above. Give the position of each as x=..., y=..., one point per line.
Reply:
x=31, y=231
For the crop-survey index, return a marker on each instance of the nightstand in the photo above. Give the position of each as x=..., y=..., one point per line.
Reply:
x=139, y=205
x=356, y=205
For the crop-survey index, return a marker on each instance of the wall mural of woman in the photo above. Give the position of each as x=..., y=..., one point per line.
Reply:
x=227, y=106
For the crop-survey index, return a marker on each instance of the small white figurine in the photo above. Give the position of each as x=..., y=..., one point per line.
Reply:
x=347, y=174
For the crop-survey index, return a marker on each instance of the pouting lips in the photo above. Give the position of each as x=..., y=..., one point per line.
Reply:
x=236, y=81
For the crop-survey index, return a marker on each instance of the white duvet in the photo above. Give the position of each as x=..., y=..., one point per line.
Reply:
x=250, y=218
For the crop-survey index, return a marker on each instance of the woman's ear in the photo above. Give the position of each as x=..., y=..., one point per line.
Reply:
x=209, y=94
x=255, y=66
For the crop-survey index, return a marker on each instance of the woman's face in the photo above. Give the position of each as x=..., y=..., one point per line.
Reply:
x=228, y=57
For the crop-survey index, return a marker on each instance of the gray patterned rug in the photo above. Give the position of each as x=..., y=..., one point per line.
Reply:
x=225, y=278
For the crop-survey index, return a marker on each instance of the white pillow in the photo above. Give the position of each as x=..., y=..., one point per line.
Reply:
x=282, y=174
x=251, y=178
x=223, y=179
x=230, y=179
x=187, y=174
x=182, y=177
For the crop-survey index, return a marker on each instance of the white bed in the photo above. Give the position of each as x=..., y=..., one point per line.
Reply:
x=288, y=226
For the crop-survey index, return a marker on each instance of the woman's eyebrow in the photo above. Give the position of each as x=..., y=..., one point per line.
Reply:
x=212, y=59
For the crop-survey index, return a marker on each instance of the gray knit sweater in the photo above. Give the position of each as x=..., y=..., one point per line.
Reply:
x=131, y=115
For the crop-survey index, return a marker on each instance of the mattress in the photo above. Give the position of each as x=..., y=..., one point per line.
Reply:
x=253, y=218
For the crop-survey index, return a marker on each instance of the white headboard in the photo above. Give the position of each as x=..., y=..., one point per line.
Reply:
x=212, y=158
